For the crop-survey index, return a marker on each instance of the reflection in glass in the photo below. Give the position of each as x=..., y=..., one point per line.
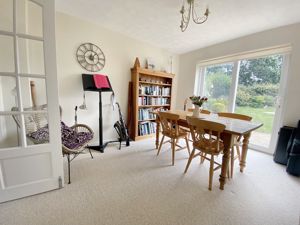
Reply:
x=36, y=127
x=8, y=93
x=33, y=91
x=31, y=56
x=217, y=86
x=6, y=54
x=29, y=18
x=6, y=15
x=9, y=135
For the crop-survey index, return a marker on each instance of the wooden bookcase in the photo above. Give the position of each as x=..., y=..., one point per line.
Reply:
x=151, y=91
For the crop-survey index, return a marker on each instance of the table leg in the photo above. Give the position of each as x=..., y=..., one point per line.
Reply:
x=246, y=138
x=227, y=140
x=157, y=132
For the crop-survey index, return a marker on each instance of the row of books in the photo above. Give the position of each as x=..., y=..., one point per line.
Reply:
x=146, y=128
x=154, y=90
x=146, y=114
x=153, y=101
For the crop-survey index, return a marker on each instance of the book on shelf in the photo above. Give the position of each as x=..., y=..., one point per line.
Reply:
x=146, y=100
x=146, y=114
x=154, y=90
x=146, y=128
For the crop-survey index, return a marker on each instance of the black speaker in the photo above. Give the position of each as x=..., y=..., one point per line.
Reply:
x=293, y=163
x=281, y=154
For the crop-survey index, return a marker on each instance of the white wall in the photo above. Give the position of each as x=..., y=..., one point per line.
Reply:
x=120, y=52
x=285, y=35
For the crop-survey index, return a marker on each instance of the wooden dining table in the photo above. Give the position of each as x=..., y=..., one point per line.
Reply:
x=233, y=127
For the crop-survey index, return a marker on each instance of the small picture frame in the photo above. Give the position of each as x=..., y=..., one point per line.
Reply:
x=150, y=64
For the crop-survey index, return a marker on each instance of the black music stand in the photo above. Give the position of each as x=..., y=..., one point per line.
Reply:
x=89, y=84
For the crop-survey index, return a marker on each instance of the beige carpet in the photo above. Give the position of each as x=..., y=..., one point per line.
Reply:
x=134, y=187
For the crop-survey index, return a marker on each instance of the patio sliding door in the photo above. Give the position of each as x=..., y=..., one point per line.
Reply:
x=247, y=86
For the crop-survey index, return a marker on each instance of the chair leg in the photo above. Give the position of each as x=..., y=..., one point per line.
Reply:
x=231, y=161
x=238, y=151
x=202, y=155
x=69, y=167
x=211, y=172
x=187, y=144
x=228, y=173
x=190, y=159
x=91, y=153
x=173, y=151
x=161, y=142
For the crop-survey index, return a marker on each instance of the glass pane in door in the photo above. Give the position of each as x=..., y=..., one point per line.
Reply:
x=257, y=92
x=29, y=18
x=31, y=56
x=7, y=62
x=10, y=131
x=34, y=101
x=33, y=92
x=6, y=15
x=36, y=127
x=8, y=93
x=217, y=83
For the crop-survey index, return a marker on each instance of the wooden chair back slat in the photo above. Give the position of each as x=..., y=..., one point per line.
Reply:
x=235, y=116
x=205, y=133
x=169, y=123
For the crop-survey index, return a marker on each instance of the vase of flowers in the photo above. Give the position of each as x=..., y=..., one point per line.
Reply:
x=197, y=102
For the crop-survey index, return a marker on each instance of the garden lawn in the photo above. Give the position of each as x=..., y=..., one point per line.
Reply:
x=263, y=115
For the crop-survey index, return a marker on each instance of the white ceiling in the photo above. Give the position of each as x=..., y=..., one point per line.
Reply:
x=157, y=21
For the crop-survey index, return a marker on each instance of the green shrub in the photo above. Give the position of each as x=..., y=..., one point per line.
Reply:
x=218, y=107
x=218, y=85
x=243, y=97
x=269, y=101
x=258, y=95
x=257, y=101
x=265, y=89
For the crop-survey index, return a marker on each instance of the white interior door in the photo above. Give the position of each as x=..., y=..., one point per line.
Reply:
x=27, y=43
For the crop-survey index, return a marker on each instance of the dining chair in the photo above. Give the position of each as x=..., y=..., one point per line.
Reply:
x=204, y=111
x=236, y=140
x=171, y=129
x=206, y=139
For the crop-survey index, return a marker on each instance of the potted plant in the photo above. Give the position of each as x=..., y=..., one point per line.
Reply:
x=197, y=102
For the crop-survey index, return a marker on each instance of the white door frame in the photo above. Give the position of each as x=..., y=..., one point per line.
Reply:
x=280, y=104
x=32, y=169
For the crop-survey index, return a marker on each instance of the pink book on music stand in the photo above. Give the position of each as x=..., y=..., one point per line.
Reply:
x=101, y=81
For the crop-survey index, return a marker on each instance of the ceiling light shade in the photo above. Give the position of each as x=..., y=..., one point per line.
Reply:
x=188, y=12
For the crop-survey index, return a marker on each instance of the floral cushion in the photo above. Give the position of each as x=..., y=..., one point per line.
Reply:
x=69, y=137
x=40, y=136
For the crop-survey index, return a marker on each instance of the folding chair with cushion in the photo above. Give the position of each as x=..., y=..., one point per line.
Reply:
x=236, y=140
x=206, y=139
x=170, y=129
x=74, y=139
